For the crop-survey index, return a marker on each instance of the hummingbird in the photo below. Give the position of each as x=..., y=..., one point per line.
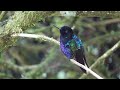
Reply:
x=71, y=46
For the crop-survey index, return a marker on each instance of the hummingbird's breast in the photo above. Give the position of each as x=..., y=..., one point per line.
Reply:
x=66, y=39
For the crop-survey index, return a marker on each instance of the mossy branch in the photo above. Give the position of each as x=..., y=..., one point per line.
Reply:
x=107, y=14
x=18, y=23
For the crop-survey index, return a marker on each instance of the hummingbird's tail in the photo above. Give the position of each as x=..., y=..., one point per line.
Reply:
x=80, y=57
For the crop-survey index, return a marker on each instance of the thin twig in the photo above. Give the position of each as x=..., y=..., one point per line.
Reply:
x=103, y=37
x=2, y=14
x=105, y=55
x=106, y=22
x=56, y=42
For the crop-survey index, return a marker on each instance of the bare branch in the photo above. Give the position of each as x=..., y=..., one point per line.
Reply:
x=88, y=70
x=105, y=55
x=42, y=37
x=56, y=42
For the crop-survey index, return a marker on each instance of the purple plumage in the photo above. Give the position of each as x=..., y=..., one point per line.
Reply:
x=66, y=50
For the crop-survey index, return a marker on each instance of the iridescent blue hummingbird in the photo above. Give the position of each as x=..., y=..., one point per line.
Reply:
x=72, y=46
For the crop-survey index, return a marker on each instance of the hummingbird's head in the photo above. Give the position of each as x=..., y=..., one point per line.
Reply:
x=66, y=32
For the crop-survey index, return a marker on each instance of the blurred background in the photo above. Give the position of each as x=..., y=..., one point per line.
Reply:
x=97, y=35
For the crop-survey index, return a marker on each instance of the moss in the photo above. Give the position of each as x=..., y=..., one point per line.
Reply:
x=18, y=23
x=107, y=14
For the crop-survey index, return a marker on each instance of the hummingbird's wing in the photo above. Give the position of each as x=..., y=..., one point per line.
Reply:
x=66, y=50
x=79, y=53
x=80, y=57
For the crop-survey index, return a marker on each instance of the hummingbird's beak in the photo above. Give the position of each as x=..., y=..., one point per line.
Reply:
x=56, y=27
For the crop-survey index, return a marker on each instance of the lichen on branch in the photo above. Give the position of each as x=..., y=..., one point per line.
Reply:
x=19, y=22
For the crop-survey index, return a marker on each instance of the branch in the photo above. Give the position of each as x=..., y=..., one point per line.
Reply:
x=2, y=15
x=103, y=37
x=105, y=55
x=42, y=37
x=88, y=70
x=111, y=21
x=108, y=14
x=56, y=42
